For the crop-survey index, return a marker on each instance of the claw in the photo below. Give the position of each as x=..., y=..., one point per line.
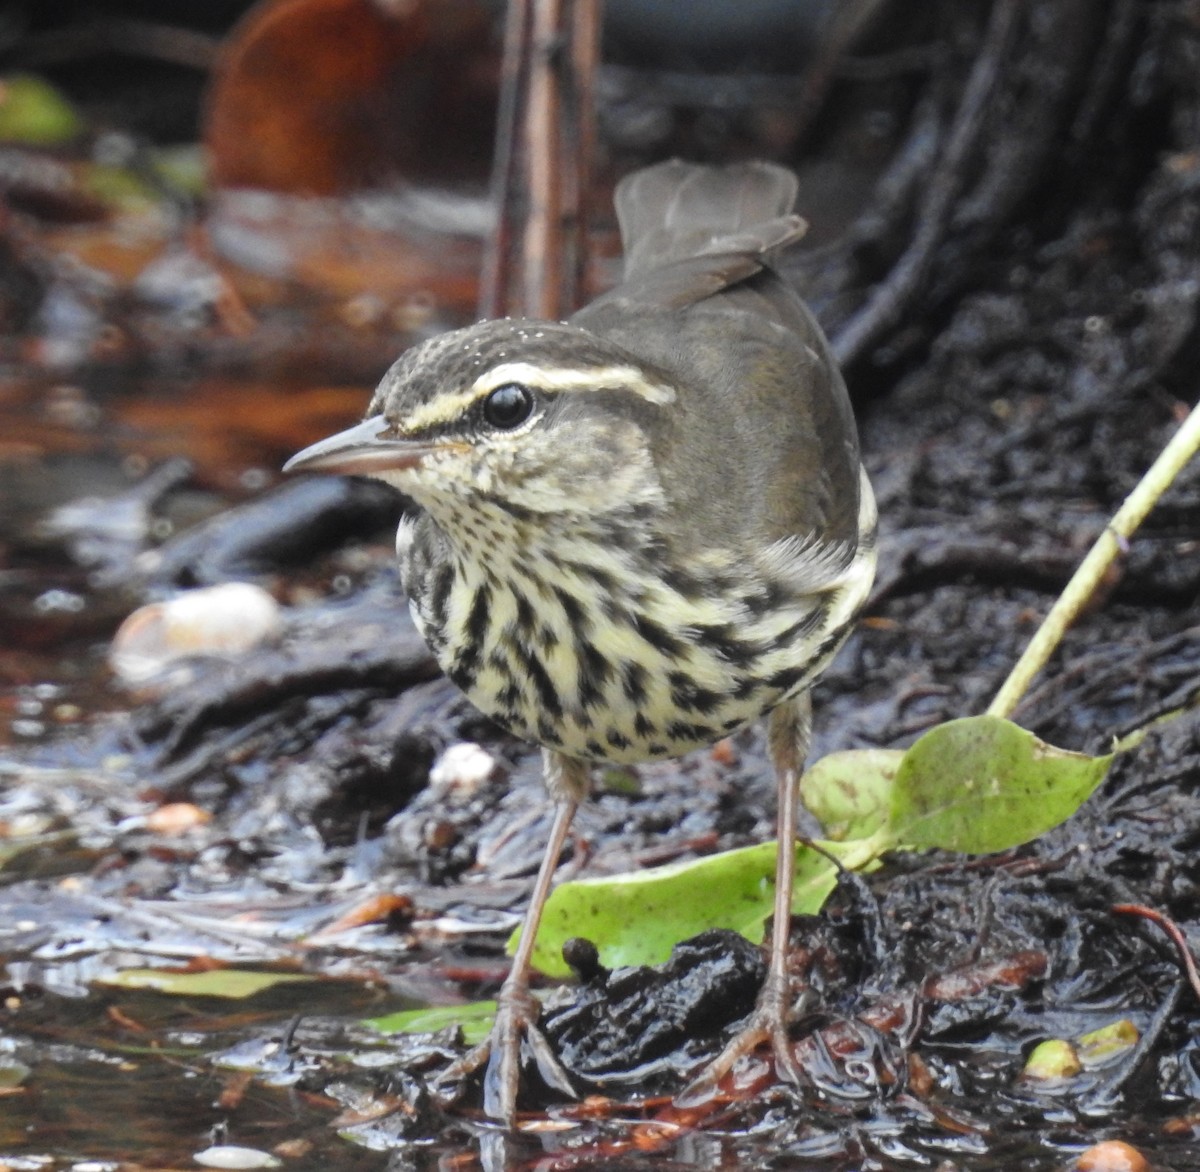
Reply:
x=445, y=1086
x=502, y=1079
x=787, y=738
x=517, y=1012
x=553, y=1073
x=768, y=1023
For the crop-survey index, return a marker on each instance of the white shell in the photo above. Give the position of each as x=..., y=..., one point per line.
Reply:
x=226, y=621
x=234, y=1157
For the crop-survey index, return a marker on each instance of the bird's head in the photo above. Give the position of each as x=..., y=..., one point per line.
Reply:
x=535, y=417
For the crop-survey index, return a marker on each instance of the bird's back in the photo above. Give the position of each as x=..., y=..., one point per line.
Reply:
x=701, y=302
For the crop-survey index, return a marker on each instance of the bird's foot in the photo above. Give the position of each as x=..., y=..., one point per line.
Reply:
x=517, y=1012
x=768, y=1023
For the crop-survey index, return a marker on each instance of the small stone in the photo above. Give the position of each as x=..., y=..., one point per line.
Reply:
x=227, y=621
x=231, y=1156
x=464, y=767
x=1112, y=1155
x=176, y=818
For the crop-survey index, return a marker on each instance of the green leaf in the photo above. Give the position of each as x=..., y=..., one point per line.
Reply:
x=34, y=113
x=1052, y=1061
x=182, y=167
x=850, y=793
x=984, y=784
x=231, y=983
x=638, y=918
x=12, y=1072
x=474, y=1018
x=120, y=188
x=1100, y=1047
x=976, y=785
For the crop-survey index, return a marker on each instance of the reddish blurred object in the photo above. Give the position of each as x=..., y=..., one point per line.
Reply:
x=325, y=97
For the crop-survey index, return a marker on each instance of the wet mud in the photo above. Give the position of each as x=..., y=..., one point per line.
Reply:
x=1018, y=308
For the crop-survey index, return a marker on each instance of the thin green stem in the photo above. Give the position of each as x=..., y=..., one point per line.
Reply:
x=1173, y=458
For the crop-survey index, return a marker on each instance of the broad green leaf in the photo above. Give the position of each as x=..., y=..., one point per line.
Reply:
x=232, y=983
x=850, y=793
x=474, y=1018
x=984, y=784
x=638, y=918
x=976, y=785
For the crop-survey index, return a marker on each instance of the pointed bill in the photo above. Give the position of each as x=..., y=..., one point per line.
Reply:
x=362, y=450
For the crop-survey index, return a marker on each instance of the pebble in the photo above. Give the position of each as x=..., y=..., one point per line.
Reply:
x=226, y=620
x=231, y=1156
x=463, y=768
x=1112, y=1155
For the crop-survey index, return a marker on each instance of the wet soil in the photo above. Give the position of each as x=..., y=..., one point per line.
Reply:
x=1019, y=353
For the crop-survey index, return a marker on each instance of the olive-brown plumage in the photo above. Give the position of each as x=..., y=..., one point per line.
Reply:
x=641, y=529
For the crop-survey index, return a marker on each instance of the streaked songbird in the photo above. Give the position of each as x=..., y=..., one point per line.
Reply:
x=639, y=530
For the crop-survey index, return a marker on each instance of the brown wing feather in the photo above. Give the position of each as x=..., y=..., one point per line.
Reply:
x=760, y=388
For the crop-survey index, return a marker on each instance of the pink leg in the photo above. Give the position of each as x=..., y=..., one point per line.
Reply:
x=517, y=1010
x=788, y=737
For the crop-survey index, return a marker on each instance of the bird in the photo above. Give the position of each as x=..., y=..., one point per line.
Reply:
x=635, y=531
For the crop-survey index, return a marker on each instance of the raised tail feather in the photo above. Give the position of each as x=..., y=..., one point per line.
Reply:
x=675, y=211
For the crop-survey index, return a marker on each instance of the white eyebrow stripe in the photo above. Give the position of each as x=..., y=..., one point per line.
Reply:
x=447, y=408
x=628, y=378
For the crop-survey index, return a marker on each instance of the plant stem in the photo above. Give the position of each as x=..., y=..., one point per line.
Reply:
x=1173, y=458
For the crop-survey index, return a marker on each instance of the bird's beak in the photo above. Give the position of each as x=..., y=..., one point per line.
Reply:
x=362, y=450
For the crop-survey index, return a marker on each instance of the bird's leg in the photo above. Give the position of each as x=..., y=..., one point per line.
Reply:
x=517, y=1009
x=788, y=734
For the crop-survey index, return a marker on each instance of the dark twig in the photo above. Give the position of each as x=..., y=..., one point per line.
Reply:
x=127, y=38
x=1105, y=76
x=496, y=280
x=841, y=27
x=545, y=142
x=580, y=136
x=558, y=144
x=542, y=251
x=887, y=300
x=1054, y=54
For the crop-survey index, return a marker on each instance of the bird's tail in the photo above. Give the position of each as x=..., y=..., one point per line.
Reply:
x=677, y=211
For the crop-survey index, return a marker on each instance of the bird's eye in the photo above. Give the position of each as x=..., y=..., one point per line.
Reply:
x=508, y=406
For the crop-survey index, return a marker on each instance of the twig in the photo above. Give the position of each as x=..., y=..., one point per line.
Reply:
x=496, y=279
x=886, y=300
x=1174, y=934
x=544, y=147
x=840, y=28
x=559, y=145
x=580, y=139
x=128, y=38
x=1079, y=590
x=542, y=246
